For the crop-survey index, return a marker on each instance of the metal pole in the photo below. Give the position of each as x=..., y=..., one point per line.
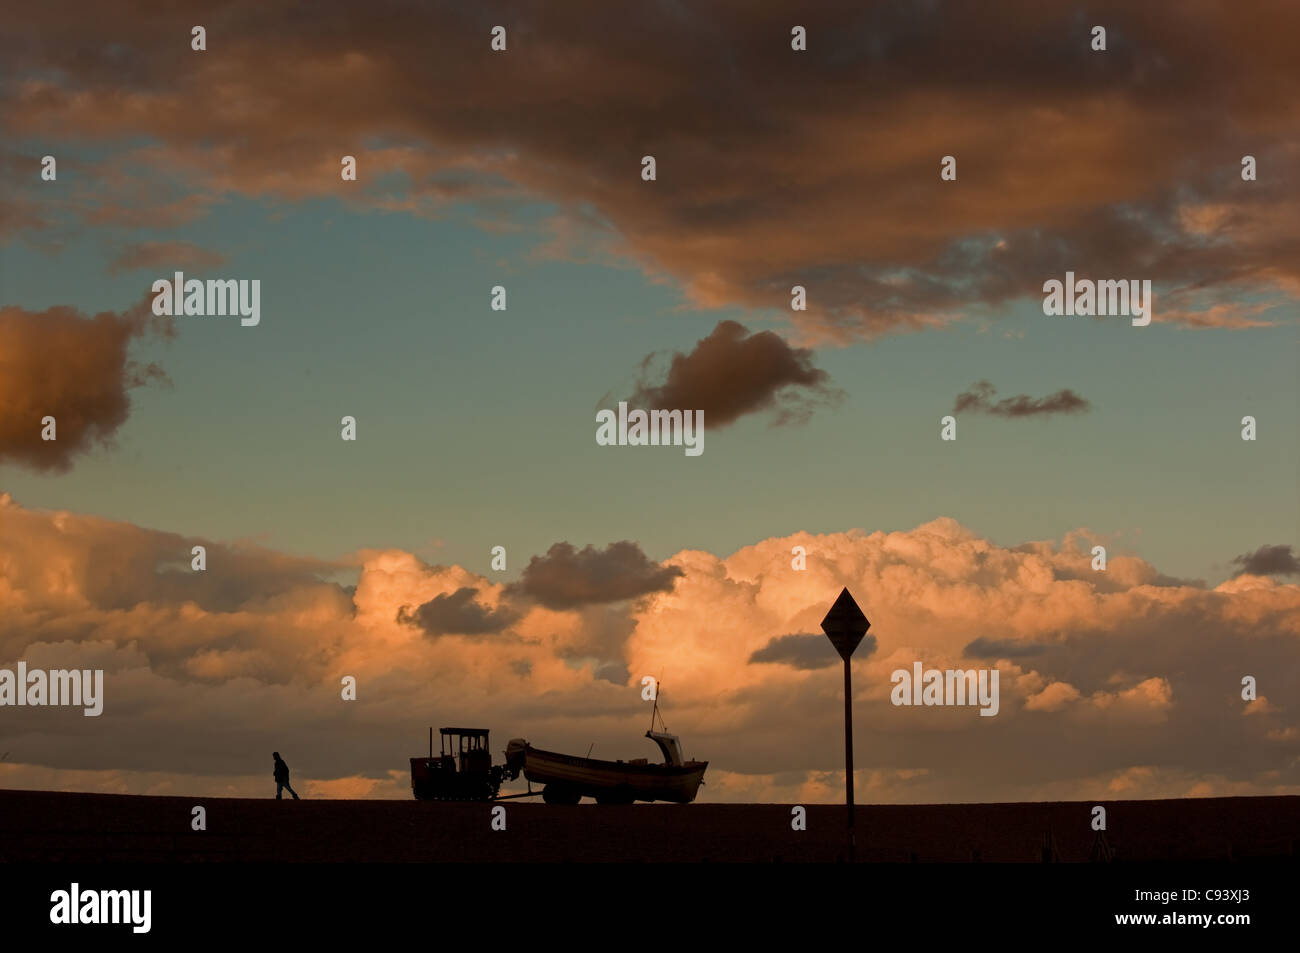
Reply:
x=848, y=754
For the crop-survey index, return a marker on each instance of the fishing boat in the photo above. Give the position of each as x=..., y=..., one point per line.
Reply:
x=568, y=778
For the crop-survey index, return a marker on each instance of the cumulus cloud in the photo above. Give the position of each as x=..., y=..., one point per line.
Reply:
x=1144, y=701
x=119, y=566
x=202, y=682
x=566, y=578
x=787, y=169
x=1277, y=560
x=456, y=613
x=808, y=651
x=1053, y=697
x=984, y=647
x=61, y=364
x=731, y=372
x=979, y=399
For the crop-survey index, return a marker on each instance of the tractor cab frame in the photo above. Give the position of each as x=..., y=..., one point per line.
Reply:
x=466, y=748
x=462, y=771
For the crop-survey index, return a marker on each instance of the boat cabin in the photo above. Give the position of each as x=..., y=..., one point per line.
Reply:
x=669, y=745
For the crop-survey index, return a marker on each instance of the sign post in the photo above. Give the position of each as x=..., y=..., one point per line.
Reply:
x=845, y=625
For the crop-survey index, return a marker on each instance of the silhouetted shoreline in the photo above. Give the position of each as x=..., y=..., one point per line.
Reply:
x=43, y=826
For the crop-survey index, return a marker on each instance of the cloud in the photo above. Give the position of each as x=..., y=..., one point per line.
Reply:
x=807, y=651
x=1147, y=701
x=731, y=372
x=118, y=566
x=1052, y=698
x=790, y=168
x=979, y=399
x=157, y=255
x=457, y=613
x=1277, y=560
x=566, y=578
x=984, y=647
x=61, y=364
x=1147, y=671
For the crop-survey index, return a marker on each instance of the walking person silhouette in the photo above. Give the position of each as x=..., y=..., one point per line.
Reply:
x=282, y=777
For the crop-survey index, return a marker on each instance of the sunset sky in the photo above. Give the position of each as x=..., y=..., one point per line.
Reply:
x=476, y=427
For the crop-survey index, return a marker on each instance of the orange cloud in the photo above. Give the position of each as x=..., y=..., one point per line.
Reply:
x=58, y=363
x=205, y=670
x=774, y=167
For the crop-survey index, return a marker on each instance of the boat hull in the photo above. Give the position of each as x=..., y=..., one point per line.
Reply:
x=614, y=781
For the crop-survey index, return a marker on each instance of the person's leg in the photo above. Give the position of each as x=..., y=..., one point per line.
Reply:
x=278, y=788
x=293, y=792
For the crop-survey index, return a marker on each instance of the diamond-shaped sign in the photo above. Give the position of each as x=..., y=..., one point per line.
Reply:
x=845, y=625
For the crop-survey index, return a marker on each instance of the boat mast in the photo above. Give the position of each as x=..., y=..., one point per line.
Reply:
x=659, y=687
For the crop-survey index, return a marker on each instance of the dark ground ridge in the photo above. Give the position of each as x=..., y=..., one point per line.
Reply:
x=55, y=827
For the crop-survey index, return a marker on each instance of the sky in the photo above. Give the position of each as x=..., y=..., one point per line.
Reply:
x=475, y=427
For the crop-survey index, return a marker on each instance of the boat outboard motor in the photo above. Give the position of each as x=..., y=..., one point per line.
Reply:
x=515, y=748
